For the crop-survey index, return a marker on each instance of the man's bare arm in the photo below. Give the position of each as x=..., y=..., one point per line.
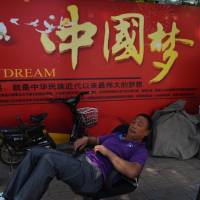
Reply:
x=82, y=142
x=129, y=169
x=93, y=140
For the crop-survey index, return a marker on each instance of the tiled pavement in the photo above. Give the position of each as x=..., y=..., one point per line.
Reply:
x=161, y=179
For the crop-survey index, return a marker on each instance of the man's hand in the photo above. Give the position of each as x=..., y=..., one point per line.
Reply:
x=80, y=143
x=102, y=149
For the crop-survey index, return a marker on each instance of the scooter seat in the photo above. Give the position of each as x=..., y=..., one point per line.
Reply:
x=38, y=118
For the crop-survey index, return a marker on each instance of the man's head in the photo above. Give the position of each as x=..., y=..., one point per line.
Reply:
x=140, y=127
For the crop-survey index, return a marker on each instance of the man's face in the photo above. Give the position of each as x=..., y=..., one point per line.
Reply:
x=138, y=128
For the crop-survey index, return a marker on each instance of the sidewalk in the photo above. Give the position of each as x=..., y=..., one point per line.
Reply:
x=161, y=179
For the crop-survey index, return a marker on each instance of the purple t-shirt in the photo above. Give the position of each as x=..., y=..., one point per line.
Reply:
x=132, y=151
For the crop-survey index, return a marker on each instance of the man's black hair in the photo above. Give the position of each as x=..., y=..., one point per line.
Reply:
x=148, y=139
x=148, y=118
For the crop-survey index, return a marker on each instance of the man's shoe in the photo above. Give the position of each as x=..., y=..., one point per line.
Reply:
x=1, y=196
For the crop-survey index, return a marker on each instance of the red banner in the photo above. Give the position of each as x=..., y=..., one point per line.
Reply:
x=133, y=57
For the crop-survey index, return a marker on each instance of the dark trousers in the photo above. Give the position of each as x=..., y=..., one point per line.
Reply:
x=41, y=165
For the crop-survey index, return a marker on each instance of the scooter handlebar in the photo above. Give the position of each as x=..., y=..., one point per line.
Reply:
x=83, y=93
x=73, y=100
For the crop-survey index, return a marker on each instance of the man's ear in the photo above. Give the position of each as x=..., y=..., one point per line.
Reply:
x=147, y=132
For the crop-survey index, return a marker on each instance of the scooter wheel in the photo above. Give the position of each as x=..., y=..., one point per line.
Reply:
x=9, y=156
